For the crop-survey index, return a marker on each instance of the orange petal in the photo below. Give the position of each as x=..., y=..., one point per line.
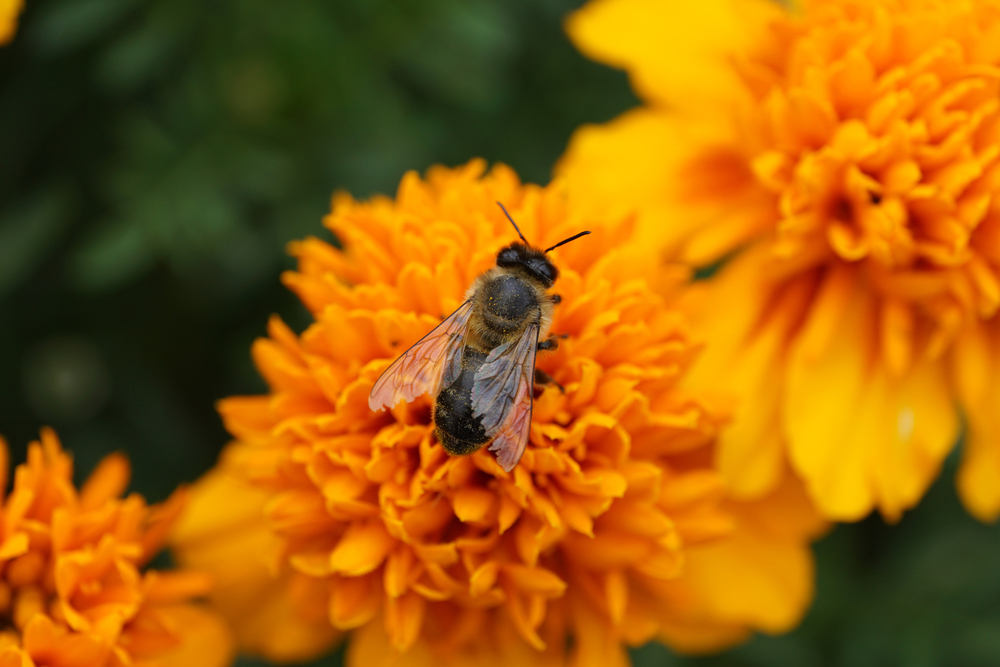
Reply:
x=370, y=647
x=47, y=643
x=596, y=644
x=354, y=601
x=473, y=503
x=535, y=580
x=177, y=585
x=403, y=618
x=222, y=533
x=109, y=480
x=362, y=548
x=4, y=468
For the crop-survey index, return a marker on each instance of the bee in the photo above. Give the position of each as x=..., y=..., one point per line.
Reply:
x=479, y=363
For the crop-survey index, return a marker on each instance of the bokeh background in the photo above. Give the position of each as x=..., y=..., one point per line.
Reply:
x=157, y=155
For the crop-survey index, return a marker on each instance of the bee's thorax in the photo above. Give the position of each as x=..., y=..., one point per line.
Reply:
x=506, y=302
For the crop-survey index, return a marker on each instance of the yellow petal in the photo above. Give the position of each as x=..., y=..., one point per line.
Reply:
x=634, y=159
x=975, y=363
x=9, y=9
x=860, y=437
x=676, y=52
x=647, y=161
x=205, y=641
x=745, y=343
x=762, y=577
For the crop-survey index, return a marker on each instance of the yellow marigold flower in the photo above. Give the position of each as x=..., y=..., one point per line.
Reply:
x=325, y=518
x=9, y=11
x=853, y=146
x=72, y=589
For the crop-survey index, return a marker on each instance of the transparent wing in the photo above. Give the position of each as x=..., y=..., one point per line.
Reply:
x=434, y=360
x=502, y=393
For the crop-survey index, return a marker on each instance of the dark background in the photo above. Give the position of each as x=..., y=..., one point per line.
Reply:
x=157, y=155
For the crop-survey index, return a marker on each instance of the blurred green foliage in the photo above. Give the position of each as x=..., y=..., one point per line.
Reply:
x=157, y=155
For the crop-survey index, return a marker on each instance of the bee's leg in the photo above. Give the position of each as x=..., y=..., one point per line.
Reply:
x=549, y=344
x=543, y=378
x=555, y=298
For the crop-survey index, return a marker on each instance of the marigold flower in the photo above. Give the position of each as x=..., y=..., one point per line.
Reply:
x=853, y=146
x=9, y=11
x=613, y=529
x=72, y=589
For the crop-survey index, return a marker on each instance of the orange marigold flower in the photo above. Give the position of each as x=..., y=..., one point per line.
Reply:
x=613, y=529
x=854, y=147
x=72, y=589
x=9, y=11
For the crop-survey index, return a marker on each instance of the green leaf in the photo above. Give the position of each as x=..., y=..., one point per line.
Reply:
x=113, y=255
x=69, y=24
x=28, y=234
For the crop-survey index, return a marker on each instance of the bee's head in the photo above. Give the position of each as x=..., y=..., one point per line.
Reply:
x=531, y=260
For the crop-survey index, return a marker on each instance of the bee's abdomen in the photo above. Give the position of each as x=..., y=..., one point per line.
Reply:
x=458, y=431
x=507, y=302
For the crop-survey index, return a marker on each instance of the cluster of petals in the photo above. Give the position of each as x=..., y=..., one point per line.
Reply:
x=844, y=155
x=324, y=518
x=73, y=592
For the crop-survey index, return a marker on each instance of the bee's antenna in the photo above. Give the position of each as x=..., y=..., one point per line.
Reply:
x=572, y=238
x=513, y=223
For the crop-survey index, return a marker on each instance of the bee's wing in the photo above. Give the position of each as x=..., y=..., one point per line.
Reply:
x=434, y=360
x=501, y=396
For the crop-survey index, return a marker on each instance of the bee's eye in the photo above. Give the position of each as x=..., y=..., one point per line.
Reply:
x=543, y=269
x=507, y=257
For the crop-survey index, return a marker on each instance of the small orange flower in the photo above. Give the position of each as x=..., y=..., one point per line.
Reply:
x=855, y=146
x=612, y=530
x=9, y=11
x=72, y=592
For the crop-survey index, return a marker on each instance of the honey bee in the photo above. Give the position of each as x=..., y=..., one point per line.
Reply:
x=479, y=363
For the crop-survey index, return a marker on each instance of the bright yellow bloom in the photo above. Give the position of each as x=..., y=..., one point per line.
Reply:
x=852, y=147
x=9, y=11
x=326, y=518
x=72, y=589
